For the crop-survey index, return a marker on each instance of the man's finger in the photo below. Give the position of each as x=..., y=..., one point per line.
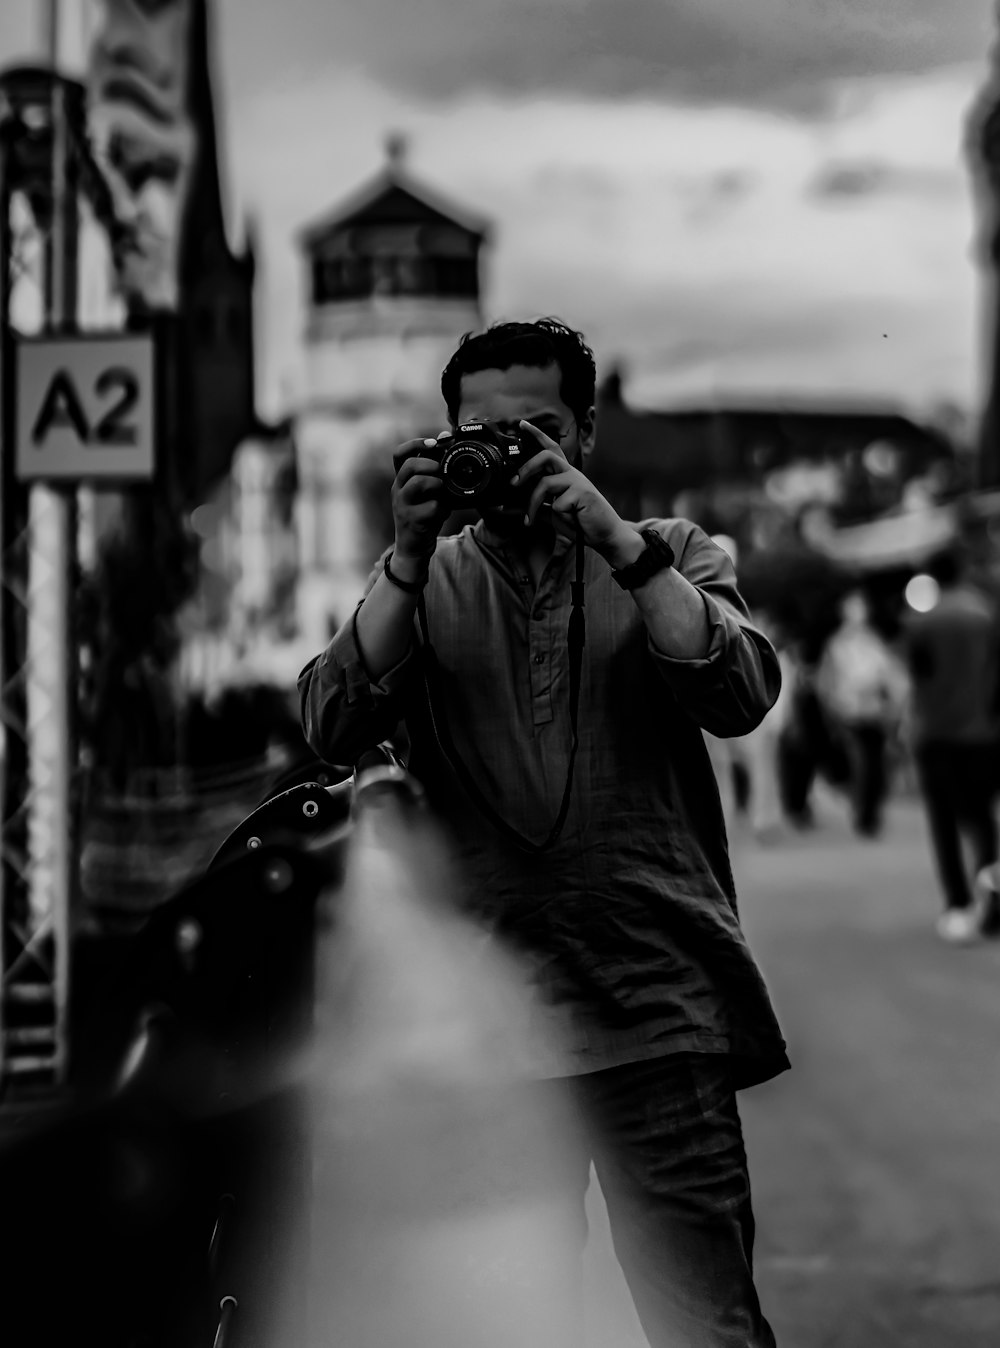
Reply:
x=409, y=449
x=545, y=440
x=416, y=467
x=546, y=461
x=423, y=484
x=424, y=511
x=551, y=484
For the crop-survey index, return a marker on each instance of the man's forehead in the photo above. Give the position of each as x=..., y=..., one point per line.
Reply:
x=534, y=388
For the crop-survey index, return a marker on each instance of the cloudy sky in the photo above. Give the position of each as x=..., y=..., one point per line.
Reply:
x=725, y=194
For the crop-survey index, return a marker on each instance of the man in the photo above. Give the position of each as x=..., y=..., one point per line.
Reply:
x=591, y=837
x=952, y=652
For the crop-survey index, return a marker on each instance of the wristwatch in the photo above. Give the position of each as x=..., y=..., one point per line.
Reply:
x=658, y=556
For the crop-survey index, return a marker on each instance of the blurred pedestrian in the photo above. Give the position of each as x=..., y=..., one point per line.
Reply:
x=758, y=751
x=807, y=745
x=606, y=869
x=952, y=652
x=803, y=741
x=862, y=684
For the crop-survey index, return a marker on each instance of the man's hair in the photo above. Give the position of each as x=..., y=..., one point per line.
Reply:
x=540, y=344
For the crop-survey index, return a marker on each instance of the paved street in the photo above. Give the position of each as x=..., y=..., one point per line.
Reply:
x=875, y=1161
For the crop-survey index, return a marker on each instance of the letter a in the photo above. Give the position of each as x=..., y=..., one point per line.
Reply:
x=61, y=407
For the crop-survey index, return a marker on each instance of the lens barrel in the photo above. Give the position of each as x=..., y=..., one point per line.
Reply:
x=469, y=467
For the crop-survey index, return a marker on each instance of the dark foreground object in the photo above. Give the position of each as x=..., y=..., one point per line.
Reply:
x=155, y=1211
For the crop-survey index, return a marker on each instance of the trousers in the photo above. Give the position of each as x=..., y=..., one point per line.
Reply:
x=958, y=784
x=666, y=1142
x=869, y=776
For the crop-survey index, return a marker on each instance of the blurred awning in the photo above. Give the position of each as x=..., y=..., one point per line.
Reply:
x=908, y=539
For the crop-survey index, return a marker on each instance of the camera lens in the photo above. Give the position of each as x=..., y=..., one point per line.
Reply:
x=468, y=472
x=468, y=469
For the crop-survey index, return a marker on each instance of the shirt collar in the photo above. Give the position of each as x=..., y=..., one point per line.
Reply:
x=495, y=542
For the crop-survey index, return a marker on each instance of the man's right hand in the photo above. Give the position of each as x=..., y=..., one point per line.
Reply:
x=419, y=504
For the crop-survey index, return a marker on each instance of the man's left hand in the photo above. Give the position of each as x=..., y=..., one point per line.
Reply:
x=576, y=503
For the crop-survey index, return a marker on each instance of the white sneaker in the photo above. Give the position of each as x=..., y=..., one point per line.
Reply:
x=987, y=891
x=958, y=926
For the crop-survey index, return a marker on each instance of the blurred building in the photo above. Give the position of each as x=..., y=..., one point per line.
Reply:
x=393, y=283
x=725, y=461
x=241, y=622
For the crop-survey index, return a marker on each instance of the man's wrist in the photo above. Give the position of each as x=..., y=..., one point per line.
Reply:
x=409, y=567
x=625, y=548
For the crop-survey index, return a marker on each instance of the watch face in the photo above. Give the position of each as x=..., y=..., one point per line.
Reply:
x=659, y=547
x=659, y=555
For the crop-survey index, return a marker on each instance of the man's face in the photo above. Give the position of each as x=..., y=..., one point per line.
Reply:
x=531, y=393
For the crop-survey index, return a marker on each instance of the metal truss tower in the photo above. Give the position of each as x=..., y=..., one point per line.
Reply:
x=48, y=180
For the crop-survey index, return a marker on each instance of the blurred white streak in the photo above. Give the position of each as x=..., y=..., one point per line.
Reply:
x=438, y=1209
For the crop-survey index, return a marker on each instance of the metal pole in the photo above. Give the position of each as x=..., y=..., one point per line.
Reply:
x=52, y=736
x=51, y=18
x=13, y=761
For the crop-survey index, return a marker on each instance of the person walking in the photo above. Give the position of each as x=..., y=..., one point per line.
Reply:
x=758, y=751
x=953, y=655
x=862, y=686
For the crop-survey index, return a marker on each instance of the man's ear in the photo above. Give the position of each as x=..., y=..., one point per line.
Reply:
x=587, y=431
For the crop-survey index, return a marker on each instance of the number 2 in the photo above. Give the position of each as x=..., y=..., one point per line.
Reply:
x=112, y=428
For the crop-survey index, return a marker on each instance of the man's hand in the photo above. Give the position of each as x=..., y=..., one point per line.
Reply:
x=575, y=503
x=420, y=503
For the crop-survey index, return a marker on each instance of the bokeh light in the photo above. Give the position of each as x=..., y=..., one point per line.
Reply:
x=922, y=593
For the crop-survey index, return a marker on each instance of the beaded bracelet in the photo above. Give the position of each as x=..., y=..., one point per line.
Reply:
x=402, y=584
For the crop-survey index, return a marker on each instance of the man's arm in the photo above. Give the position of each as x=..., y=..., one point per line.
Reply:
x=346, y=705
x=351, y=695
x=671, y=607
x=723, y=670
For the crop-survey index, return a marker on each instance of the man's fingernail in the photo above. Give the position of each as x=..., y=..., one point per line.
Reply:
x=527, y=519
x=430, y=443
x=515, y=479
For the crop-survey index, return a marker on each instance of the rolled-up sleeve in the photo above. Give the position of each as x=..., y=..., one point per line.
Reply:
x=343, y=710
x=729, y=690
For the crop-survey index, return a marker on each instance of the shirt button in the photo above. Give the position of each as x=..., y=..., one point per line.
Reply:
x=539, y=659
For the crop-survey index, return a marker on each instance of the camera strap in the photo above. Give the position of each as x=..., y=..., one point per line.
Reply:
x=575, y=637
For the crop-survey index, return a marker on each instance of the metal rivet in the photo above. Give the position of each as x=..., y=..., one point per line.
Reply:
x=253, y=844
x=310, y=809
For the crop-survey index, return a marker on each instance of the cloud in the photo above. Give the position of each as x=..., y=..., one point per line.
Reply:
x=871, y=178
x=685, y=240
x=770, y=53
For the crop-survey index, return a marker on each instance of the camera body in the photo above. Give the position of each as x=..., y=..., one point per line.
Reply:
x=479, y=459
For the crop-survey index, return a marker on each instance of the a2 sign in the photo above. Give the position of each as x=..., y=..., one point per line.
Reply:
x=86, y=408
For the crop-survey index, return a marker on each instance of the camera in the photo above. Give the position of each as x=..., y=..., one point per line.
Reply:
x=478, y=461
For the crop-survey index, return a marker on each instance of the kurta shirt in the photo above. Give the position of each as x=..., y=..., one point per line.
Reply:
x=629, y=923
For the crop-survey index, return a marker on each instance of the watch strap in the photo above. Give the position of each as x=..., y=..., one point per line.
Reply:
x=658, y=556
x=404, y=585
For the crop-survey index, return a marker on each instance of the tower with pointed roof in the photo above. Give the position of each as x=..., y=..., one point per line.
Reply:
x=392, y=283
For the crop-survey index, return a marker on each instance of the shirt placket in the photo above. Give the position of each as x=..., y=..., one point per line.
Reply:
x=543, y=652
